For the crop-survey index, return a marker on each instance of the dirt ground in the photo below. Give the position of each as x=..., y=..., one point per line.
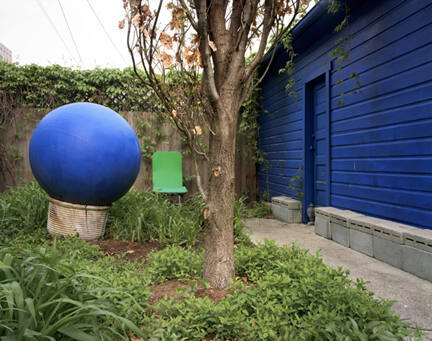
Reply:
x=168, y=289
x=131, y=251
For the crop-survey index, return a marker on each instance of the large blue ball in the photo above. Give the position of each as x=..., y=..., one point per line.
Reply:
x=85, y=153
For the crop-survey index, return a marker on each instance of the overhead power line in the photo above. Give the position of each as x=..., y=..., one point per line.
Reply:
x=55, y=29
x=106, y=32
x=70, y=31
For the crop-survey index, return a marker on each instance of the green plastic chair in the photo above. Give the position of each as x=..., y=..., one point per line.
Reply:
x=167, y=173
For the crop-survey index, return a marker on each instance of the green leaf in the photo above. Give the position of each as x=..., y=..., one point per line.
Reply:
x=76, y=334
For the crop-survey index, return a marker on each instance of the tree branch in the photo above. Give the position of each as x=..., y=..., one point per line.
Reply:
x=205, y=50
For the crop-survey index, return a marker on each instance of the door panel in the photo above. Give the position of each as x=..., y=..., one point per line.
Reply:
x=319, y=143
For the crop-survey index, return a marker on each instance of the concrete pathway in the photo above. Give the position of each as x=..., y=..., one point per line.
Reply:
x=414, y=295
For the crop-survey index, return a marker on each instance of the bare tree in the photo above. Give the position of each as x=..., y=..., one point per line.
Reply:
x=196, y=64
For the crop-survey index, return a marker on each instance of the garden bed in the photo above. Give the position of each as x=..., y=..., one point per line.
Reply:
x=143, y=281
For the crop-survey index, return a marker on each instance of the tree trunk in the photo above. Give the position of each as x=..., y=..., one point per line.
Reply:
x=219, y=238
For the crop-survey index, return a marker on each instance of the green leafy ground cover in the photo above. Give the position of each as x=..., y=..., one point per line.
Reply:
x=69, y=289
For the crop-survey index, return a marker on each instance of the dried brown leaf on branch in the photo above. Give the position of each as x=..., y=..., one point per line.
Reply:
x=177, y=17
x=121, y=24
x=144, y=31
x=166, y=59
x=166, y=40
x=192, y=56
x=136, y=20
x=146, y=11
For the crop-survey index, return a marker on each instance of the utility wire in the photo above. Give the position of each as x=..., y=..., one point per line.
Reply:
x=70, y=31
x=55, y=29
x=106, y=33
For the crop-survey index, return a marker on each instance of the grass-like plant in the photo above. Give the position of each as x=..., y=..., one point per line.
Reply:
x=141, y=216
x=23, y=211
x=41, y=297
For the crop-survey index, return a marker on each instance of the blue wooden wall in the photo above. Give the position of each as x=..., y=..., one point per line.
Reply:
x=380, y=138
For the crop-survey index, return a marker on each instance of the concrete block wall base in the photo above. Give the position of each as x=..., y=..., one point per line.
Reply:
x=417, y=262
x=322, y=227
x=387, y=251
x=402, y=246
x=340, y=234
x=287, y=209
x=361, y=242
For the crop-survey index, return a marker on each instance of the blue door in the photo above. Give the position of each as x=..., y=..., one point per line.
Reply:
x=316, y=145
x=319, y=143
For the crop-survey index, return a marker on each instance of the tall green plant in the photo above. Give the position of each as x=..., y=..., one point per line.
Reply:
x=42, y=298
x=142, y=216
x=23, y=211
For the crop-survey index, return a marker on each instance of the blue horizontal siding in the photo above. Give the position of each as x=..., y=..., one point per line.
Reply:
x=397, y=181
x=381, y=136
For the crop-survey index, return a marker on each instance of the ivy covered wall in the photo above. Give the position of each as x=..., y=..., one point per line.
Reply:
x=29, y=92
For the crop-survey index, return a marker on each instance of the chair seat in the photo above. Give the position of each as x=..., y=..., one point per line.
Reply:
x=179, y=190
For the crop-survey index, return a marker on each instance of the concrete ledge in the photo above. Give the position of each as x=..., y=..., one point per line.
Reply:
x=361, y=235
x=340, y=227
x=287, y=209
x=420, y=239
x=322, y=227
x=361, y=242
x=340, y=234
x=417, y=262
x=402, y=246
x=322, y=221
x=387, y=251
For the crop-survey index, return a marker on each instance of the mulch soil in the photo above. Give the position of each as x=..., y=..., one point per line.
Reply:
x=168, y=289
x=131, y=251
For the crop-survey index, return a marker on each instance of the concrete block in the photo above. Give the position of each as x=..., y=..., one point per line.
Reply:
x=387, y=251
x=342, y=217
x=361, y=241
x=384, y=229
x=340, y=227
x=361, y=223
x=419, y=239
x=417, y=262
x=287, y=209
x=322, y=221
x=340, y=234
x=389, y=230
x=322, y=227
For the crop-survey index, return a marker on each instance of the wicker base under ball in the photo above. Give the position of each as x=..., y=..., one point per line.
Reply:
x=70, y=219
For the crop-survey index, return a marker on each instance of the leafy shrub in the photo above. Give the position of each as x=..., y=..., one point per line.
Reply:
x=51, y=86
x=23, y=211
x=295, y=297
x=41, y=297
x=240, y=233
x=173, y=262
x=258, y=209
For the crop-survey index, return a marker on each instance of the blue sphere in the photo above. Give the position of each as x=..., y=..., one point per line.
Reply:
x=85, y=153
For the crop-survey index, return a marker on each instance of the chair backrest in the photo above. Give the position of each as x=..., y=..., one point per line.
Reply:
x=167, y=170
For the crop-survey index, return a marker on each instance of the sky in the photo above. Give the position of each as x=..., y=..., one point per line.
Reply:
x=26, y=30
x=31, y=34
